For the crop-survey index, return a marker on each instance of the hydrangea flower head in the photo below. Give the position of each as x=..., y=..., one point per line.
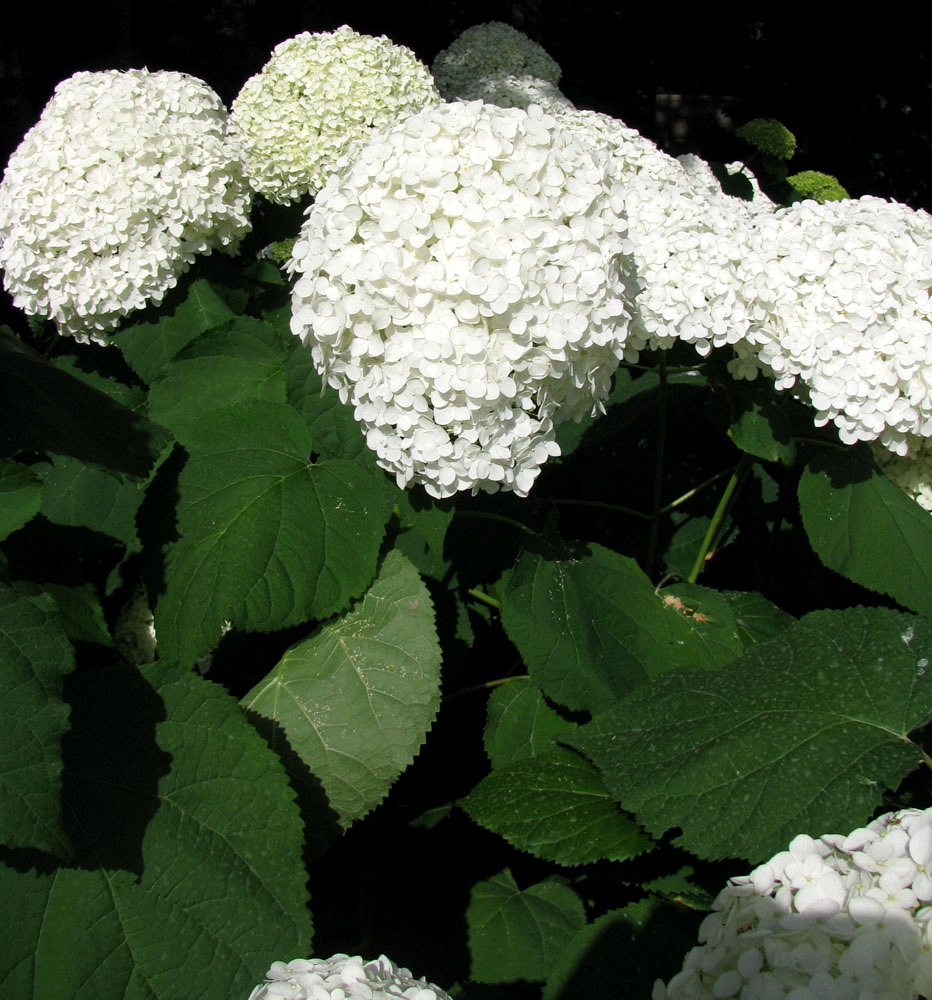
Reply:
x=688, y=237
x=770, y=137
x=828, y=919
x=349, y=978
x=817, y=186
x=513, y=91
x=839, y=309
x=464, y=283
x=494, y=50
x=318, y=96
x=912, y=472
x=109, y=197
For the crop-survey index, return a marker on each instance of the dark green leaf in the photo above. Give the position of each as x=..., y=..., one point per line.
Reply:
x=799, y=735
x=866, y=528
x=623, y=952
x=555, y=806
x=356, y=700
x=590, y=626
x=219, y=891
x=268, y=540
x=757, y=423
x=238, y=362
x=521, y=725
x=756, y=619
x=151, y=343
x=34, y=656
x=44, y=409
x=515, y=934
x=80, y=614
x=20, y=496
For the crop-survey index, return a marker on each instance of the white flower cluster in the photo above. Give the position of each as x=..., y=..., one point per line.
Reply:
x=344, y=978
x=512, y=91
x=689, y=239
x=829, y=919
x=464, y=283
x=494, y=50
x=317, y=97
x=838, y=300
x=109, y=197
x=912, y=471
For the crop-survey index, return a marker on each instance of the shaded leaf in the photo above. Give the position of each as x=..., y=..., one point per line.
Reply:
x=151, y=343
x=632, y=946
x=555, y=806
x=34, y=657
x=45, y=409
x=800, y=734
x=515, y=934
x=590, y=626
x=220, y=892
x=355, y=701
x=520, y=724
x=20, y=496
x=865, y=527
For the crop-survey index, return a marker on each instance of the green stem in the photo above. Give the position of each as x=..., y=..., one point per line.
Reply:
x=823, y=443
x=719, y=516
x=926, y=759
x=479, y=595
x=673, y=504
x=658, y=466
x=485, y=686
x=489, y=516
x=601, y=504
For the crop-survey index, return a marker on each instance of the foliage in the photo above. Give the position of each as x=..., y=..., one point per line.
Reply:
x=508, y=740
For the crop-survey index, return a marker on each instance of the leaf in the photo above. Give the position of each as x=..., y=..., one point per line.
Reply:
x=521, y=725
x=632, y=946
x=709, y=617
x=515, y=934
x=591, y=628
x=268, y=540
x=757, y=424
x=34, y=656
x=799, y=735
x=219, y=891
x=756, y=619
x=555, y=806
x=20, y=496
x=44, y=409
x=423, y=524
x=240, y=361
x=80, y=613
x=150, y=344
x=356, y=700
x=334, y=429
x=78, y=496
x=865, y=527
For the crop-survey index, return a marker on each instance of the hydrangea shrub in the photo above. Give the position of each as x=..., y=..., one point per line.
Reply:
x=444, y=592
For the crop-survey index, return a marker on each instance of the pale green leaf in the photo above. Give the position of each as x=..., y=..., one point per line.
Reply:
x=355, y=701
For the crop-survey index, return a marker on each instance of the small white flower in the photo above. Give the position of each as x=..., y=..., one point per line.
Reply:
x=319, y=96
x=344, y=978
x=109, y=197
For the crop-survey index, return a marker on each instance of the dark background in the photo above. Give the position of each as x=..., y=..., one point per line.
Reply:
x=856, y=91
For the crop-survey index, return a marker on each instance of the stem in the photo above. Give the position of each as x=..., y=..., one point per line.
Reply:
x=719, y=516
x=658, y=466
x=926, y=759
x=823, y=443
x=501, y=518
x=485, y=686
x=673, y=504
x=478, y=595
x=618, y=508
